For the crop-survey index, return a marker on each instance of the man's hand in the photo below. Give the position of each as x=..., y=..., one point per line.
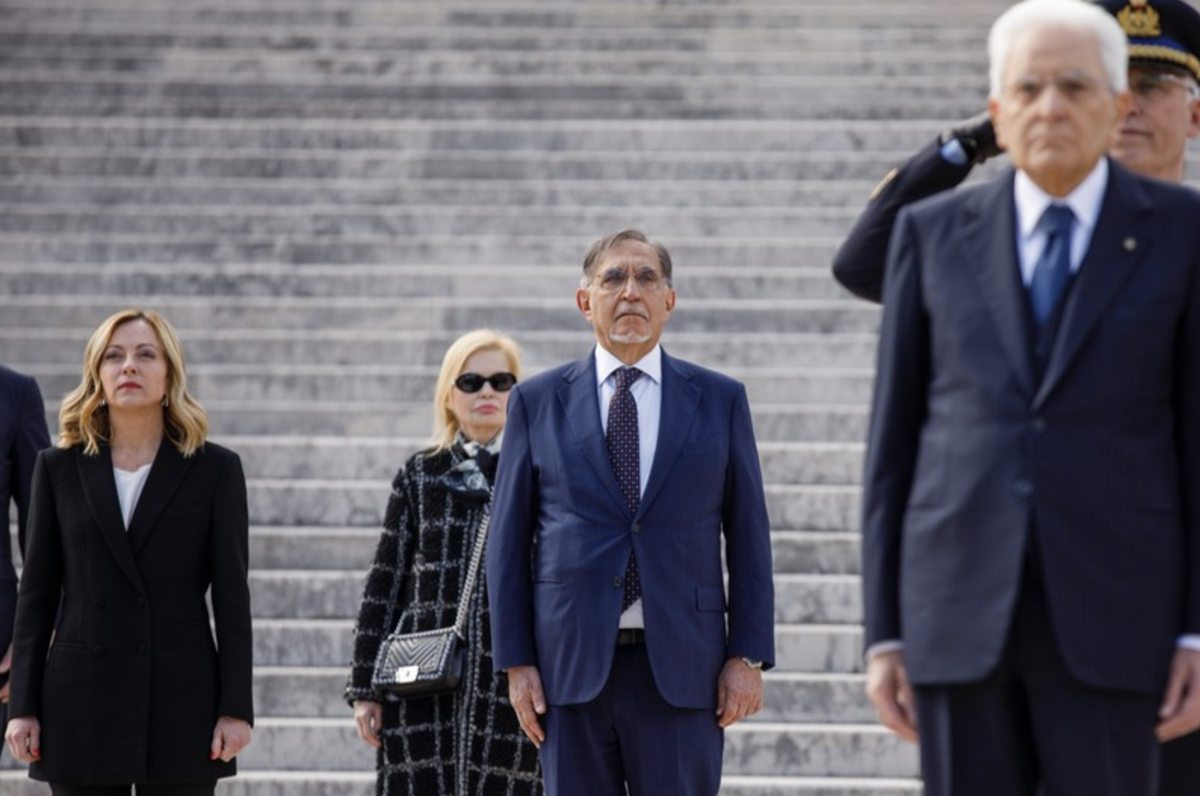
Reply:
x=889, y=690
x=525, y=693
x=24, y=738
x=1180, y=709
x=229, y=737
x=368, y=717
x=739, y=692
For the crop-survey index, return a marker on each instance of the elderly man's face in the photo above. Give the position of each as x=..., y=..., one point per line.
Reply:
x=628, y=300
x=1165, y=113
x=1056, y=114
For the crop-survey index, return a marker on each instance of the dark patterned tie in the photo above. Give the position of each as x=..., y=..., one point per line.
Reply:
x=1053, y=268
x=625, y=452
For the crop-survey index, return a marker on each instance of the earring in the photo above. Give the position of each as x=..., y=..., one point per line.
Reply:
x=104, y=402
x=165, y=402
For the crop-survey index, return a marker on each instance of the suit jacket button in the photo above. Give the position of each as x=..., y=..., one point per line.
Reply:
x=141, y=601
x=99, y=604
x=1039, y=424
x=618, y=582
x=637, y=528
x=141, y=648
x=1023, y=488
x=98, y=650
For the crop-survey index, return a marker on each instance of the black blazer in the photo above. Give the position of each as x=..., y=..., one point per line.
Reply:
x=972, y=457
x=133, y=684
x=22, y=434
x=859, y=262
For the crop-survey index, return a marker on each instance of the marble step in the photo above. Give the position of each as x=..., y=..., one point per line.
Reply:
x=804, y=251
x=336, y=221
x=513, y=314
x=539, y=349
x=300, y=547
x=402, y=281
x=362, y=783
x=311, y=691
x=337, y=136
x=541, y=101
x=326, y=594
x=799, y=648
x=786, y=422
x=307, y=502
x=888, y=61
x=770, y=749
x=418, y=168
x=73, y=192
x=822, y=423
x=348, y=458
x=271, y=382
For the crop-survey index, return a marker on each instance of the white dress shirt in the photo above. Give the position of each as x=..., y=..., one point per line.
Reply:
x=647, y=394
x=129, y=489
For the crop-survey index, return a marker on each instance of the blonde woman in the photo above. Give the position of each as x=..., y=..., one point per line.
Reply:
x=134, y=517
x=468, y=742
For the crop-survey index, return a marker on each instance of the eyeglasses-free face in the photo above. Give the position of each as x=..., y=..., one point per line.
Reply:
x=473, y=382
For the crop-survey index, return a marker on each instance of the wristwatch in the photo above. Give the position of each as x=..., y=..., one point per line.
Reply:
x=753, y=664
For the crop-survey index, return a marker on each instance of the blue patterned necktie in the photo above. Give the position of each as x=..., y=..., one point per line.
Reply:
x=625, y=451
x=1053, y=268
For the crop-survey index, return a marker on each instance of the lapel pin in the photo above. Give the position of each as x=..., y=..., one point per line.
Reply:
x=1129, y=244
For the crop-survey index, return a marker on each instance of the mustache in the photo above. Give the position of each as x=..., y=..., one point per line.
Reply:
x=632, y=309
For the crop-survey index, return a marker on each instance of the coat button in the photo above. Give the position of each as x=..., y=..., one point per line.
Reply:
x=1023, y=488
x=637, y=528
x=98, y=650
x=617, y=582
x=1039, y=424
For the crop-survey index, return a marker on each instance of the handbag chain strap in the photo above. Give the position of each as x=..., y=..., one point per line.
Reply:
x=464, y=602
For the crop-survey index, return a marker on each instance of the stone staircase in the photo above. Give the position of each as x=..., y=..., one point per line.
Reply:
x=322, y=194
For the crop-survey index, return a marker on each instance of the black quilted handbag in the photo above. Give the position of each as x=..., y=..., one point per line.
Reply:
x=431, y=661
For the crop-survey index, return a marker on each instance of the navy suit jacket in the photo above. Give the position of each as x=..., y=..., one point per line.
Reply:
x=22, y=434
x=555, y=602
x=972, y=457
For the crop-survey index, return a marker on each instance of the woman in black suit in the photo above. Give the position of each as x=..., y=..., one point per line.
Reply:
x=134, y=517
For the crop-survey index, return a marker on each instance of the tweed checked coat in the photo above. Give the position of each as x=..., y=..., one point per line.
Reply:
x=456, y=744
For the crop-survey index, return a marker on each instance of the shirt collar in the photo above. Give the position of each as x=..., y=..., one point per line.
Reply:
x=606, y=363
x=1084, y=201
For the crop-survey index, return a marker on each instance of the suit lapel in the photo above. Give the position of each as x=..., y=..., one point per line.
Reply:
x=680, y=397
x=1115, y=249
x=100, y=491
x=990, y=244
x=577, y=393
x=166, y=475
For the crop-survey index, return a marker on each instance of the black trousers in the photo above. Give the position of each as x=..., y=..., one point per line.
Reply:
x=178, y=789
x=1031, y=728
x=1181, y=767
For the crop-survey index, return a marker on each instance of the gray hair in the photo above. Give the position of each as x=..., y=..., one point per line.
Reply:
x=1077, y=14
x=602, y=247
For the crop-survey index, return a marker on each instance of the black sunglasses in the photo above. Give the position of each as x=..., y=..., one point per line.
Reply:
x=473, y=382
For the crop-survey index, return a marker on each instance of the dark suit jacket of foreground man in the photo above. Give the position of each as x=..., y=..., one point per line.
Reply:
x=970, y=450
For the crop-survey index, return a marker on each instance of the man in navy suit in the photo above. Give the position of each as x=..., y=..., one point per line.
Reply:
x=621, y=474
x=1031, y=540
x=22, y=434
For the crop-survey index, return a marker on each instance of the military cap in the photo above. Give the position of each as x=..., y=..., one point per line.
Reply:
x=1161, y=32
